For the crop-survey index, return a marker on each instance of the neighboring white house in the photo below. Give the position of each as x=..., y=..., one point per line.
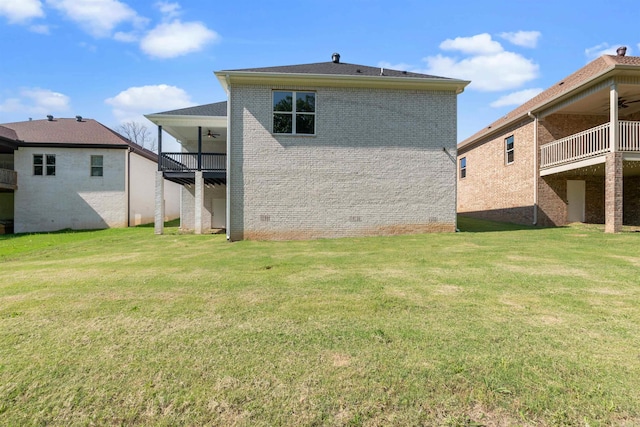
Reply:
x=78, y=174
x=317, y=150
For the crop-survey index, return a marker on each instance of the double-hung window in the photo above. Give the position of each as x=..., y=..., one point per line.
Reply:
x=463, y=167
x=96, y=166
x=294, y=113
x=44, y=164
x=508, y=150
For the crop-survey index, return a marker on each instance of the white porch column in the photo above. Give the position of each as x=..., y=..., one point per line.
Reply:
x=199, y=196
x=159, y=210
x=614, y=131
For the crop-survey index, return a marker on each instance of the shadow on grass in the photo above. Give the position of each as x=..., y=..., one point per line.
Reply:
x=172, y=223
x=473, y=225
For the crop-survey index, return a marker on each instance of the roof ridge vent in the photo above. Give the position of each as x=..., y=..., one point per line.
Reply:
x=621, y=51
x=78, y=118
x=335, y=58
x=50, y=117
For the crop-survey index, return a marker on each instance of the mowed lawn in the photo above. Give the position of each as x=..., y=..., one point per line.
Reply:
x=496, y=325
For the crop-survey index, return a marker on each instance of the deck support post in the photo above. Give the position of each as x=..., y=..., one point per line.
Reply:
x=199, y=196
x=613, y=193
x=158, y=219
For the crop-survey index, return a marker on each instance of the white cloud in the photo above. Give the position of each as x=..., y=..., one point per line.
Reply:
x=132, y=103
x=98, y=17
x=480, y=44
x=399, y=67
x=126, y=37
x=21, y=10
x=169, y=40
x=40, y=29
x=604, y=49
x=516, y=98
x=36, y=101
x=169, y=10
x=494, y=72
x=522, y=38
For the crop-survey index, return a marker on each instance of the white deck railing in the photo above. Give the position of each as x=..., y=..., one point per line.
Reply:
x=8, y=178
x=589, y=143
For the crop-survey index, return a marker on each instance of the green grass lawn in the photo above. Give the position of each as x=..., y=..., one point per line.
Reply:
x=496, y=325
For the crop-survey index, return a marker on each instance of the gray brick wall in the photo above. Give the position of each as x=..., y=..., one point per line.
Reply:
x=375, y=166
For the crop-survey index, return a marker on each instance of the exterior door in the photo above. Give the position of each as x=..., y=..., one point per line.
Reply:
x=219, y=209
x=575, y=200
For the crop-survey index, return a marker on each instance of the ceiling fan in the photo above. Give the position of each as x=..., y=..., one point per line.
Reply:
x=212, y=134
x=623, y=103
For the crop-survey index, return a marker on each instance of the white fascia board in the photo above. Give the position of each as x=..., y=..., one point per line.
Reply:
x=330, y=80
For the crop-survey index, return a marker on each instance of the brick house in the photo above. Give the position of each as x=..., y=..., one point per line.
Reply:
x=63, y=173
x=562, y=156
x=318, y=150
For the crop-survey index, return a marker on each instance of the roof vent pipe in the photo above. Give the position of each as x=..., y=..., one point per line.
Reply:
x=50, y=117
x=78, y=118
x=621, y=51
x=335, y=58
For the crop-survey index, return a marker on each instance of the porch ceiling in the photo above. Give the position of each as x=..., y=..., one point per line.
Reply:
x=598, y=102
x=185, y=128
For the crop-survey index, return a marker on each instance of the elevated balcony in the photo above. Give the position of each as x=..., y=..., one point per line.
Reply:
x=181, y=167
x=588, y=147
x=8, y=179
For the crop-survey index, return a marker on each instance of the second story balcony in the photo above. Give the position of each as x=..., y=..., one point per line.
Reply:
x=589, y=144
x=181, y=167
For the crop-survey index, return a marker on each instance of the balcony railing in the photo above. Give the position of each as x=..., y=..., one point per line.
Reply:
x=8, y=179
x=589, y=143
x=188, y=162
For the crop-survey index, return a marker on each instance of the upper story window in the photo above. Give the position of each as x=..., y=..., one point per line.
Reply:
x=294, y=118
x=463, y=167
x=508, y=150
x=96, y=166
x=44, y=164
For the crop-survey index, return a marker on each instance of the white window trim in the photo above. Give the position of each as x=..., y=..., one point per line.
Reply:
x=91, y=166
x=44, y=164
x=463, y=169
x=507, y=151
x=293, y=112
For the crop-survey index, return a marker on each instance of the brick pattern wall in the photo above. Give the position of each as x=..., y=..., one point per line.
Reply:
x=493, y=189
x=613, y=193
x=381, y=162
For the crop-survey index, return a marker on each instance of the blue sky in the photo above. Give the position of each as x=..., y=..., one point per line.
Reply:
x=114, y=60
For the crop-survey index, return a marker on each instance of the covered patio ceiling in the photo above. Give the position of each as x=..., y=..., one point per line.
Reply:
x=185, y=128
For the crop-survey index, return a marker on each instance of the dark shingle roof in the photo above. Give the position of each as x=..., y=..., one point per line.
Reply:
x=216, y=109
x=337, y=69
x=573, y=81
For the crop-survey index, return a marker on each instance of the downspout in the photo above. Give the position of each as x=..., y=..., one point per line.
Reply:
x=228, y=204
x=536, y=171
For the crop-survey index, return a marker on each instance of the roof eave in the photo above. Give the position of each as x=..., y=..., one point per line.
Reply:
x=603, y=75
x=336, y=80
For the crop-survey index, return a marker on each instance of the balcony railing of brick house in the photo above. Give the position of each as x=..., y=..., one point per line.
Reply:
x=8, y=179
x=188, y=162
x=589, y=143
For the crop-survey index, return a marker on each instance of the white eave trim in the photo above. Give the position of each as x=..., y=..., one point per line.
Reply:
x=333, y=80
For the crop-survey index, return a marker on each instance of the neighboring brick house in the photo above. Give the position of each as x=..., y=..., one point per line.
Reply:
x=324, y=150
x=564, y=155
x=75, y=173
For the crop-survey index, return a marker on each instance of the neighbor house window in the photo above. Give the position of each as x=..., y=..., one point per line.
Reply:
x=44, y=164
x=463, y=167
x=96, y=165
x=508, y=147
x=294, y=112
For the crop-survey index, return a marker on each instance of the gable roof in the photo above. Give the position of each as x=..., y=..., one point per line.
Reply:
x=217, y=109
x=336, y=73
x=589, y=72
x=72, y=133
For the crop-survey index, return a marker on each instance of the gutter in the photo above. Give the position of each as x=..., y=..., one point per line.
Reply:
x=535, y=167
